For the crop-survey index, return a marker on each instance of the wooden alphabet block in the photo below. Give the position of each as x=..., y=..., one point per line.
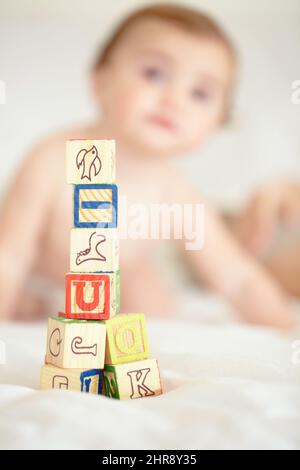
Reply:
x=95, y=205
x=90, y=161
x=81, y=380
x=73, y=344
x=92, y=296
x=134, y=380
x=94, y=250
x=126, y=338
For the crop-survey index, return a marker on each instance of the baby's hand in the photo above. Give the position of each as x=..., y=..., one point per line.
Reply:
x=272, y=206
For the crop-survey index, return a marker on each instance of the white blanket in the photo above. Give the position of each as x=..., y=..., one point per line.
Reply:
x=226, y=385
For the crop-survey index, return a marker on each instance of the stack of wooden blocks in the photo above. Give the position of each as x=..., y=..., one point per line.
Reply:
x=91, y=347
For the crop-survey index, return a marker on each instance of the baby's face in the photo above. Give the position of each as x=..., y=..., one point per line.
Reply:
x=164, y=90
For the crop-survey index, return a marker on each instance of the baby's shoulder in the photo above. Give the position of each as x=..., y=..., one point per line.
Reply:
x=47, y=154
x=55, y=142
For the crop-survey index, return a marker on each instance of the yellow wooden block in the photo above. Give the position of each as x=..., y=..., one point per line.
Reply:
x=90, y=161
x=80, y=380
x=126, y=338
x=74, y=344
x=134, y=380
x=94, y=250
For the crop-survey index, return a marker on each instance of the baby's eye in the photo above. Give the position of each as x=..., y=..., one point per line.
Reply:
x=153, y=73
x=200, y=94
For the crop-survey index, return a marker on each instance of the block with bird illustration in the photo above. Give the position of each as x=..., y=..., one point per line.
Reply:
x=77, y=380
x=133, y=380
x=74, y=344
x=94, y=250
x=92, y=296
x=90, y=161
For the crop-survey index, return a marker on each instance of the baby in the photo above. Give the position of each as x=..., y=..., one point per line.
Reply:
x=162, y=85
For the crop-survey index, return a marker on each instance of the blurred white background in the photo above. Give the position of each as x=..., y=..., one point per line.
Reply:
x=47, y=46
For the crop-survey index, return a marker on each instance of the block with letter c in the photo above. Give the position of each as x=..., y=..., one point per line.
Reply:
x=74, y=344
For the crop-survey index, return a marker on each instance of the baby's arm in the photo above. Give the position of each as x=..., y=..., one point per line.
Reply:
x=23, y=216
x=274, y=205
x=285, y=266
x=228, y=269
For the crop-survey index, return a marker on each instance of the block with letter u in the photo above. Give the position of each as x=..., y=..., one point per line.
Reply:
x=92, y=296
x=95, y=205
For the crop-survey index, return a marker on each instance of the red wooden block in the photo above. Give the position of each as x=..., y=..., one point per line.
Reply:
x=88, y=296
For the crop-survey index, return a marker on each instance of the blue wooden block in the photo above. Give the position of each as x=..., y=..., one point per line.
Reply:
x=86, y=379
x=95, y=205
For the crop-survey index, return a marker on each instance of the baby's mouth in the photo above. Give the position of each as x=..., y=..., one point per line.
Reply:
x=163, y=122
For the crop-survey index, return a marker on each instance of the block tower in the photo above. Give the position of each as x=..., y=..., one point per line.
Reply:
x=91, y=346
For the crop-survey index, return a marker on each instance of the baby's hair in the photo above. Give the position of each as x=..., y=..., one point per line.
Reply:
x=188, y=19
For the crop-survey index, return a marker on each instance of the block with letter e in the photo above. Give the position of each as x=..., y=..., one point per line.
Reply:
x=95, y=205
x=74, y=344
x=80, y=380
x=133, y=380
x=126, y=338
x=92, y=296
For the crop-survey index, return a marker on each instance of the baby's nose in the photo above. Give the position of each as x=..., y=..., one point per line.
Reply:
x=173, y=98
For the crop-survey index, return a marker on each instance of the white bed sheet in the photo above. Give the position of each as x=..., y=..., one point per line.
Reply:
x=226, y=386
